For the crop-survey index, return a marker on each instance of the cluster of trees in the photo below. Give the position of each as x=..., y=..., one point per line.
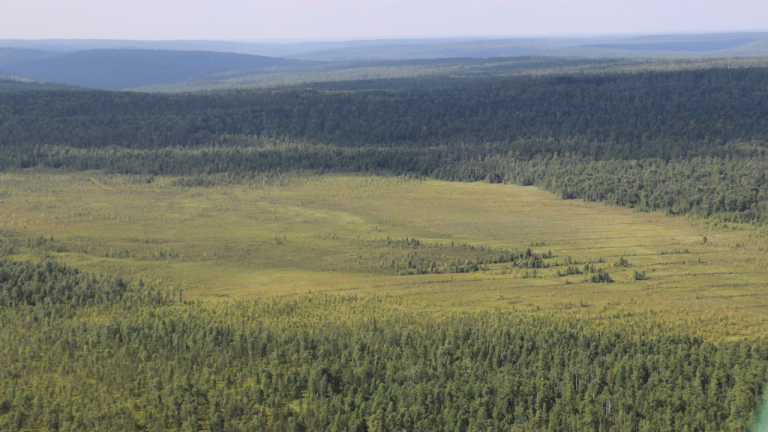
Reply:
x=436, y=261
x=600, y=276
x=24, y=283
x=146, y=362
x=595, y=274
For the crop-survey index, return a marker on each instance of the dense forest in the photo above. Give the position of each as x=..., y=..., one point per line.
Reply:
x=86, y=352
x=626, y=116
x=686, y=142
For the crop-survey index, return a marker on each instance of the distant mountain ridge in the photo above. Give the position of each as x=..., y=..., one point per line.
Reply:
x=193, y=65
x=123, y=68
x=681, y=45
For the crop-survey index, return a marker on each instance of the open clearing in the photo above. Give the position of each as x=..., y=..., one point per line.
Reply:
x=290, y=235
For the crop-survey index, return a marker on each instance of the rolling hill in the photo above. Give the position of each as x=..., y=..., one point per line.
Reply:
x=121, y=69
x=207, y=65
x=680, y=46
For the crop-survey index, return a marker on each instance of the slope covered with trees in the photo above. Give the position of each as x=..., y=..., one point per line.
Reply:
x=141, y=360
x=668, y=115
x=684, y=141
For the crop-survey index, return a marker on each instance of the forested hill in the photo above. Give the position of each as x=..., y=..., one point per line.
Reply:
x=687, y=142
x=120, y=69
x=668, y=115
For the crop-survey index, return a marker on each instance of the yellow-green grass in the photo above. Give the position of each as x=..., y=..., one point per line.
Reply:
x=296, y=234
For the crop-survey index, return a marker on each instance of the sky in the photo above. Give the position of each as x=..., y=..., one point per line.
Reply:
x=334, y=19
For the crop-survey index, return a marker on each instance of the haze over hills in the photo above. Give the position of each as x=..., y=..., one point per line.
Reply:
x=270, y=49
x=685, y=45
x=675, y=46
x=120, y=69
x=324, y=50
x=441, y=48
x=196, y=65
x=679, y=46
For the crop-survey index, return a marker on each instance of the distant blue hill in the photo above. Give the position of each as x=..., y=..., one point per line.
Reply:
x=675, y=45
x=689, y=46
x=192, y=65
x=124, y=68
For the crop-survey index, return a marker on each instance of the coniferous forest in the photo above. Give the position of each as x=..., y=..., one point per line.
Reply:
x=83, y=352
x=85, y=349
x=685, y=142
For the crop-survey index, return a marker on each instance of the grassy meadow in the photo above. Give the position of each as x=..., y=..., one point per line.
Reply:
x=288, y=235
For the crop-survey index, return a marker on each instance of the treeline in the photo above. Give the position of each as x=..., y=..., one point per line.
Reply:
x=685, y=142
x=334, y=363
x=628, y=116
x=731, y=189
x=24, y=283
x=725, y=189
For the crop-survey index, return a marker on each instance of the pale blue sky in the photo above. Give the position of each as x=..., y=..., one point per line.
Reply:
x=305, y=19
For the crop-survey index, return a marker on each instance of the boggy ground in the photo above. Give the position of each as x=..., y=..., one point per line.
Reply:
x=294, y=234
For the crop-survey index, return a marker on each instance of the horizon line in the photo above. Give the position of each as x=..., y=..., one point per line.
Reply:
x=407, y=37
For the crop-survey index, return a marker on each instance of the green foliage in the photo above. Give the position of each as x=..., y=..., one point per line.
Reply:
x=703, y=110
x=622, y=262
x=49, y=282
x=600, y=276
x=24, y=283
x=84, y=352
x=730, y=189
x=570, y=270
x=335, y=363
x=694, y=145
x=455, y=258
